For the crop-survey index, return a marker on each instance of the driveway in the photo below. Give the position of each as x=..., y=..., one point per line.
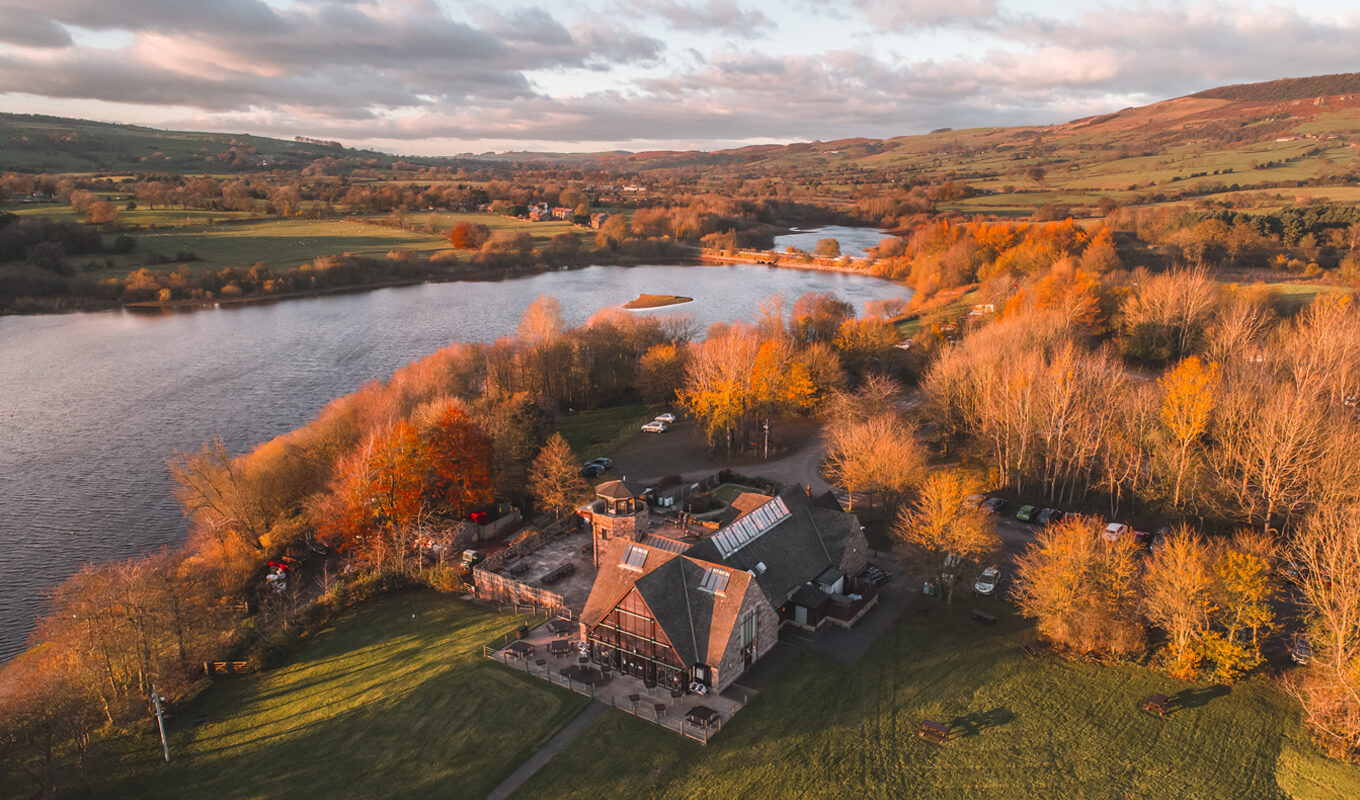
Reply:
x=796, y=453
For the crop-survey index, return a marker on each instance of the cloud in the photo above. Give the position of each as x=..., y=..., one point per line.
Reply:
x=29, y=29
x=900, y=14
x=713, y=16
x=407, y=70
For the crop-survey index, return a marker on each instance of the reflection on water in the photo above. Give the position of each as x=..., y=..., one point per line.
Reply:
x=92, y=404
x=853, y=241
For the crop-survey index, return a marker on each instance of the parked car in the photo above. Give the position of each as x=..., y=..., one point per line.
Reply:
x=1159, y=540
x=1114, y=531
x=1143, y=539
x=591, y=470
x=875, y=575
x=1048, y=516
x=1027, y=513
x=972, y=501
x=605, y=463
x=472, y=557
x=667, y=418
x=987, y=581
x=1301, y=649
x=655, y=426
x=994, y=505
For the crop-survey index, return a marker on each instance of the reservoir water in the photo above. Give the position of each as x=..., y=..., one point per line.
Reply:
x=91, y=405
x=853, y=241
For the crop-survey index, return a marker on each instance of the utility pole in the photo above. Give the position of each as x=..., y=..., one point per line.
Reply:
x=160, y=721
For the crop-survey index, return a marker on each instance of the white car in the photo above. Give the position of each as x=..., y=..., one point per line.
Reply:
x=1114, y=531
x=667, y=418
x=987, y=581
x=655, y=426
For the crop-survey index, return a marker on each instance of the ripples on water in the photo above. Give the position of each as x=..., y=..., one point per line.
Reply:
x=91, y=405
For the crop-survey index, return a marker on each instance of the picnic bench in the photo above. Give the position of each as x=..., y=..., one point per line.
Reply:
x=982, y=617
x=519, y=649
x=702, y=716
x=561, y=626
x=1157, y=704
x=934, y=731
x=559, y=572
x=519, y=569
x=1035, y=649
x=560, y=647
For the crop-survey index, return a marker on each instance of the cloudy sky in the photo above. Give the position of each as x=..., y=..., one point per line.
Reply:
x=450, y=76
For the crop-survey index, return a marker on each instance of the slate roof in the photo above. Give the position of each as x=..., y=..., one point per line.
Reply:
x=794, y=551
x=615, y=490
x=699, y=624
x=745, y=503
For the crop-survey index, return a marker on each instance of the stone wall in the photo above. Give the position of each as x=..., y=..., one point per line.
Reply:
x=767, y=636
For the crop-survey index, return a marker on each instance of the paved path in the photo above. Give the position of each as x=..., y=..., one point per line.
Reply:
x=552, y=747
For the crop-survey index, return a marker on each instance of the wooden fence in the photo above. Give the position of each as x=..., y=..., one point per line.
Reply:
x=492, y=587
x=643, y=711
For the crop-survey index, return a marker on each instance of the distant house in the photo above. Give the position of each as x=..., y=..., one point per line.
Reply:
x=678, y=604
x=562, y=212
x=598, y=219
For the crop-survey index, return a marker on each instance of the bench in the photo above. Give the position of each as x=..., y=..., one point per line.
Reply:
x=1035, y=649
x=934, y=731
x=982, y=617
x=1157, y=704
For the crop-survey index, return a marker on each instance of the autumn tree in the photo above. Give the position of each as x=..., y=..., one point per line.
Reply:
x=554, y=479
x=661, y=372
x=1188, y=395
x=817, y=317
x=880, y=455
x=1327, y=550
x=1081, y=589
x=827, y=248
x=946, y=523
x=469, y=235
x=1179, y=588
x=458, y=457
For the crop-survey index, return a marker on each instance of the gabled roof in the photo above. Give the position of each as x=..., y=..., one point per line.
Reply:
x=745, y=503
x=793, y=551
x=614, y=490
x=698, y=623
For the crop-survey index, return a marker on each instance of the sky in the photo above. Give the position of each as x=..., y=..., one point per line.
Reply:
x=441, y=77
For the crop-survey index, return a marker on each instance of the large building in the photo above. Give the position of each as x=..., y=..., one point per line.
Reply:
x=683, y=605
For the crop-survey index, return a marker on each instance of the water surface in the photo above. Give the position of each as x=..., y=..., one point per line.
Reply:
x=92, y=404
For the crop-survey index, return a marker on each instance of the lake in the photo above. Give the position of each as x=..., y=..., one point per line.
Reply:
x=853, y=241
x=91, y=405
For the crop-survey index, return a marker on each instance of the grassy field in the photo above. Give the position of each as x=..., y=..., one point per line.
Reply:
x=395, y=700
x=1023, y=729
x=593, y=433
x=279, y=243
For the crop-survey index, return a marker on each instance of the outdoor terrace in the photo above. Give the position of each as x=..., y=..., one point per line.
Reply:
x=551, y=651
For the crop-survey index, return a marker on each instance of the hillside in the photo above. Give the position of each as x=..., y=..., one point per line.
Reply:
x=38, y=143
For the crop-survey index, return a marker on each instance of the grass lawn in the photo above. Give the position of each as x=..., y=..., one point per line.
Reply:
x=594, y=433
x=729, y=492
x=279, y=243
x=383, y=704
x=1023, y=729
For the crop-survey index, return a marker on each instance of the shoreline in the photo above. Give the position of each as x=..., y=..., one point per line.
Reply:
x=480, y=275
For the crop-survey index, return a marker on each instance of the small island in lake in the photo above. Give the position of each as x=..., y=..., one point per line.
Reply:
x=657, y=301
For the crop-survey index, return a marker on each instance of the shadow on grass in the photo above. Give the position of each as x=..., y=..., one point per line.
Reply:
x=979, y=721
x=1196, y=698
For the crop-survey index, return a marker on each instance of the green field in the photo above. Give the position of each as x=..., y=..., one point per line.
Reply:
x=1023, y=729
x=279, y=244
x=395, y=700
x=593, y=433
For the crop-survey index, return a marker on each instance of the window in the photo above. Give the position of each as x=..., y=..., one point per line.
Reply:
x=714, y=580
x=634, y=557
x=748, y=628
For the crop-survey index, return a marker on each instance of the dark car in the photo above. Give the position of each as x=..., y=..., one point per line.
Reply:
x=994, y=505
x=875, y=575
x=591, y=470
x=1048, y=516
x=1027, y=513
x=604, y=463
